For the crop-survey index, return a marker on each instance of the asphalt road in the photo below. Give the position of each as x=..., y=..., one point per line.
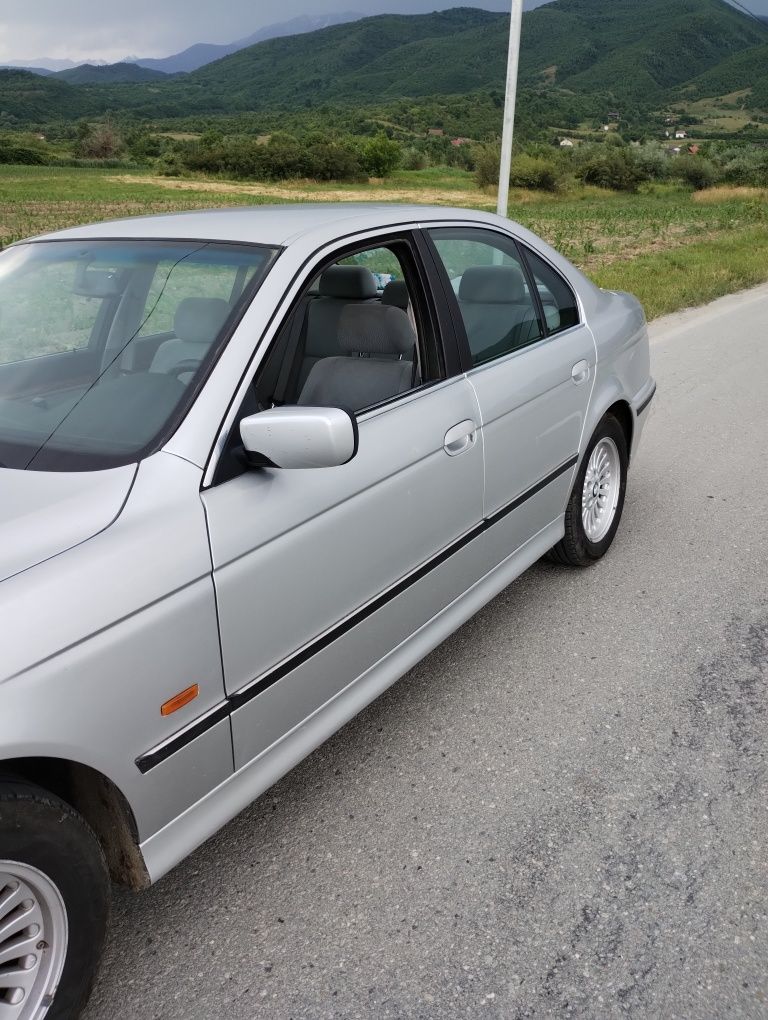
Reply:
x=563, y=811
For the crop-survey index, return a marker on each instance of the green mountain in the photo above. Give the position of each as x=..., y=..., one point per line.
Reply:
x=109, y=74
x=627, y=53
x=28, y=98
x=743, y=72
x=637, y=50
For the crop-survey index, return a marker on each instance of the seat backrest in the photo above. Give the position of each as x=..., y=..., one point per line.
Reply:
x=338, y=287
x=383, y=340
x=396, y=293
x=494, y=302
x=197, y=323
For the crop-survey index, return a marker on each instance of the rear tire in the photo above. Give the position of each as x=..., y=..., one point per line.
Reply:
x=594, y=509
x=54, y=904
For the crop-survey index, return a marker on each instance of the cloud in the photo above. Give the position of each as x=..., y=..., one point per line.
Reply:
x=95, y=29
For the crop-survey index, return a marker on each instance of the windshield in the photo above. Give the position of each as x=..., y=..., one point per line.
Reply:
x=102, y=343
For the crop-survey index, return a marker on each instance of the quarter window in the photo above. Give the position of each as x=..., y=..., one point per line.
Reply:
x=499, y=312
x=557, y=298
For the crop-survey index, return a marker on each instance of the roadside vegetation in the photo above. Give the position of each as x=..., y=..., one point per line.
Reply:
x=671, y=245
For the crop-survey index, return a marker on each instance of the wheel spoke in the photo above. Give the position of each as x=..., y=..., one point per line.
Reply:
x=17, y=920
x=22, y=945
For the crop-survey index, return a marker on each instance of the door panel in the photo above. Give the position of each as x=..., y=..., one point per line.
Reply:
x=532, y=371
x=533, y=413
x=297, y=552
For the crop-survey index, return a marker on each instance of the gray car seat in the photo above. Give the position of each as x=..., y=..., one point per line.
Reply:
x=337, y=287
x=197, y=323
x=396, y=293
x=497, y=310
x=383, y=339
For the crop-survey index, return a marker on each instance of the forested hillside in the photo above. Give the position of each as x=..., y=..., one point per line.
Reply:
x=588, y=52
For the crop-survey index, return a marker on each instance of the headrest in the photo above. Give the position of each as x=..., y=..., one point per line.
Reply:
x=355, y=283
x=396, y=293
x=376, y=329
x=199, y=319
x=493, y=285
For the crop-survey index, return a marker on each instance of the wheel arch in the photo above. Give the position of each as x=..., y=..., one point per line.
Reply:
x=101, y=803
x=610, y=398
x=622, y=411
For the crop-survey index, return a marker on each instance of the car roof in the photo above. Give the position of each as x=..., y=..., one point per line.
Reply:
x=273, y=225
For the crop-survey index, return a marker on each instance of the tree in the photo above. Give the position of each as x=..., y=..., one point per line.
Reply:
x=380, y=156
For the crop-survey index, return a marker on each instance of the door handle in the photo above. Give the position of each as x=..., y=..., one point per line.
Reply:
x=580, y=372
x=460, y=438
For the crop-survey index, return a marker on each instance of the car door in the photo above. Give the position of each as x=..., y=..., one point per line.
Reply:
x=531, y=362
x=320, y=574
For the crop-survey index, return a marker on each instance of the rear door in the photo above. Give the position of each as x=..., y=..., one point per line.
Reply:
x=320, y=574
x=531, y=362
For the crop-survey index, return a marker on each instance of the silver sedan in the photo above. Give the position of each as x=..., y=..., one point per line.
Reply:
x=255, y=465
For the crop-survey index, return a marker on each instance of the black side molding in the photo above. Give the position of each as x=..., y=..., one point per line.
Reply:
x=164, y=751
x=646, y=402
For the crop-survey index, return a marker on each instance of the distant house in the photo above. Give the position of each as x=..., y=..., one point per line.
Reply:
x=436, y=132
x=567, y=143
x=461, y=141
x=681, y=134
x=614, y=115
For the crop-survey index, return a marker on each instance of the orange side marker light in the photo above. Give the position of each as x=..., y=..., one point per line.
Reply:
x=180, y=700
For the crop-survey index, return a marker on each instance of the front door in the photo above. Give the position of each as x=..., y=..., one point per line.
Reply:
x=319, y=574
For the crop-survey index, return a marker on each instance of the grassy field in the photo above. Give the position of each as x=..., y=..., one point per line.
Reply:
x=671, y=247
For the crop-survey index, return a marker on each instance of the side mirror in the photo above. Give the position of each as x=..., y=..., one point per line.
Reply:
x=299, y=437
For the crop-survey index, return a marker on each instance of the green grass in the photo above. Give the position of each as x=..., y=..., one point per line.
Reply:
x=667, y=281
x=663, y=244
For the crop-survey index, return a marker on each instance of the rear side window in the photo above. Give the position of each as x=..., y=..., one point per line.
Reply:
x=557, y=298
x=499, y=312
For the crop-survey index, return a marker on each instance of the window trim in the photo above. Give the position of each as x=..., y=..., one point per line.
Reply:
x=310, y=270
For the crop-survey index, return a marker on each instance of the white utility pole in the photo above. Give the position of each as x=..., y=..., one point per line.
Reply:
x=515, y=27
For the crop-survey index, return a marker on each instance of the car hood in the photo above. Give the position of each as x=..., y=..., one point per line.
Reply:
x=44, y=513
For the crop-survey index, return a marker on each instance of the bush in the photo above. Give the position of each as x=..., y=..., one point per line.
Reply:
x=612, y=168
x=380, y=156
x=697, y=171
x=414, y=159
x=651, y=162
x=487, y=159
x=102, y=142
x=534, y=172
x=747, y=166
x=20, y=155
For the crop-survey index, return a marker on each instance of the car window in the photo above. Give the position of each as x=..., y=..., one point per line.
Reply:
x=498, y=310
x=62, y=321
x=81, y=386
x=358, y=336
x=557, y=298
x=361, y=333
x=189, y=279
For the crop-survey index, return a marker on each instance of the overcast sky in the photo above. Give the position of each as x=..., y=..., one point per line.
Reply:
x=100, y=29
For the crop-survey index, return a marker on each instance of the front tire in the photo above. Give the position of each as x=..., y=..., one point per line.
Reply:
x=54, y=905
x=595, y=506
